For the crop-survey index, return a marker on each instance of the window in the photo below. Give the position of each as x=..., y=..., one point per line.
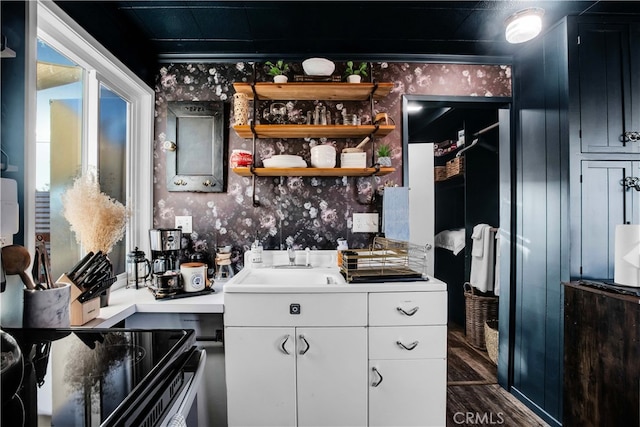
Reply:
x=93, y=114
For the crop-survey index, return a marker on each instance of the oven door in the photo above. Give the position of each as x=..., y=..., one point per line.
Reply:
x=183, y=411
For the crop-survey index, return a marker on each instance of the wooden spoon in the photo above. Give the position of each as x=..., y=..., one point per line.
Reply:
x=16, y=260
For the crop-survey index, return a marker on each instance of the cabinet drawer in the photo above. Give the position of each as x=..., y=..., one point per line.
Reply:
x=420, y=342
x=245, y=309
x=408, y=308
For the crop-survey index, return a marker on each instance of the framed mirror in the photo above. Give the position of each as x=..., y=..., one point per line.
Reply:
x=195, y=146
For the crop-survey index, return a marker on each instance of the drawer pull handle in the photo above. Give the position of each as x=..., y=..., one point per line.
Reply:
x=411, y=312
x=304, y=350
x=284, y=350
x=409, y=347
x=379, y=381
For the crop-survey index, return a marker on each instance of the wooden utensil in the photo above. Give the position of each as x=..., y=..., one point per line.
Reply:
x=16, y=260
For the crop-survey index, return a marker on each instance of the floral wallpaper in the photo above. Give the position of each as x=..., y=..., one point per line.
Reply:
x=302, y=211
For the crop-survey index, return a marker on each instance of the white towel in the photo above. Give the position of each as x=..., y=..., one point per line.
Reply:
x=477, y=247
x=482, y=258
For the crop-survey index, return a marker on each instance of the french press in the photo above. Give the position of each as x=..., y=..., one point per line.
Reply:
x=138, y=268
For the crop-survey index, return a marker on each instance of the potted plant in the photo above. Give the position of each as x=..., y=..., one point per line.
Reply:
x=354, y=75
x=384, y=155
x=278, y=71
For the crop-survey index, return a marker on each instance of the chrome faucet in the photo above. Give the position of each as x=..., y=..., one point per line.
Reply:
x=292, y=255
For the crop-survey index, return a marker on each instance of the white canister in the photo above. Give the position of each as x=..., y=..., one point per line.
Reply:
x=194, y=276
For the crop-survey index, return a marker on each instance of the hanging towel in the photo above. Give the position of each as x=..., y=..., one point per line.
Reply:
x=395, y=213
x=496, y=282
x=477, y=248
x=482, y=258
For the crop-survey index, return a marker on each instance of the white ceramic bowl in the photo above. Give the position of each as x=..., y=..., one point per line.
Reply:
x=284, y=161
x=318, y=67
x=323, y=156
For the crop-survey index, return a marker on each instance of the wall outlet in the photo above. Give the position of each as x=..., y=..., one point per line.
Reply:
x=185, y=223
x=365, y=223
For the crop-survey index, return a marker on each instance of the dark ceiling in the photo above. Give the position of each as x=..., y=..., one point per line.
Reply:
x=149, y=31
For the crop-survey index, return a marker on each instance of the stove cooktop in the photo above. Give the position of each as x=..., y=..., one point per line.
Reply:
x=98, y=376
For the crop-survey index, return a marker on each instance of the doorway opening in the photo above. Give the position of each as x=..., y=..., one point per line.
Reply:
x=471, y=140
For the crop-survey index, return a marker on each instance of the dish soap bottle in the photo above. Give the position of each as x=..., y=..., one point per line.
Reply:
x=256, y=254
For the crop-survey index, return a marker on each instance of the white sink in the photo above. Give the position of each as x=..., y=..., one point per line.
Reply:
x=291, y=277
x=261, y=280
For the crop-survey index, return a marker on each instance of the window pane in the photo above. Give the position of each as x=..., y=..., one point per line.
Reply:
x=112, y=140
x=58, y=151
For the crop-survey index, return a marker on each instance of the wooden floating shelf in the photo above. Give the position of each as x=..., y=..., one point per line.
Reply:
x=313, y=171
x=311, y=91
x=312, y=131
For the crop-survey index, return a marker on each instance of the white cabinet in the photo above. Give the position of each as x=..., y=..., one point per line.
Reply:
x=261, y=372
x=337, y=358
x=332, y=376
x=296, y=376
x=407, y=359
x=408, y=392
x=293, y=363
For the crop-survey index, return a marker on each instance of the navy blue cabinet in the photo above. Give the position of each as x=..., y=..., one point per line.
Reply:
x=604, y=203
x=609, y=94
x=576, y=100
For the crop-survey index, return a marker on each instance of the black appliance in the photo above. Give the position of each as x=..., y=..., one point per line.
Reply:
x=107, y=377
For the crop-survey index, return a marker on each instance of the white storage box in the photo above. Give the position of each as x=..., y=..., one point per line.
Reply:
x=353, y=160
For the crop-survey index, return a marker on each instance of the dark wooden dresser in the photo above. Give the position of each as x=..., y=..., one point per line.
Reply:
x=601, y=356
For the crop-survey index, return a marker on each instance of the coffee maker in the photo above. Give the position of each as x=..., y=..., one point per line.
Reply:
x=165, y=249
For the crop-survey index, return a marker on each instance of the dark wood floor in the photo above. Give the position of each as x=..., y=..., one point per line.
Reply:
x=474, y=397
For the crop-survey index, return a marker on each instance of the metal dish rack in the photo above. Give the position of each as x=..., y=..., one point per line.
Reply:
x=385, y=260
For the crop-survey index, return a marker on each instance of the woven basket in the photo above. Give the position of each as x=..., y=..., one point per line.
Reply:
x=440, y=173
x=478, y=309
x=455, y=167
x=491, y=339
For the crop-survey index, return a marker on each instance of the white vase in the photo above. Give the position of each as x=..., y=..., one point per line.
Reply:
x=354, y=78
x=384, y=161
x=280, y=79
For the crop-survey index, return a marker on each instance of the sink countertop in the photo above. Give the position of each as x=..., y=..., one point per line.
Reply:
x=125, y=302
x=236, y=285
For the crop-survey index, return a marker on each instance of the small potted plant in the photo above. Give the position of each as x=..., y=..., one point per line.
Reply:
x=354, y=75
x=384, y=155
x=278, y=71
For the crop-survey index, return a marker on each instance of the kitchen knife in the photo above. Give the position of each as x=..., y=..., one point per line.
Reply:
x=71, y=274
x=85, y=280
x=95, y=291
x=88, y=264
x=102, y=271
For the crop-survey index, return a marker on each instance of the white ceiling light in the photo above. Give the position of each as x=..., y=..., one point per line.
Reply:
x=524, y=25
x=412, y=108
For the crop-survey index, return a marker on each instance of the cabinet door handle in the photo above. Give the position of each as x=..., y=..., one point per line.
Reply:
x=411, y=312
x=284, y=341
x=409, y=347
x=632, y=136
x=631, y=182
x=380, y=378
x=304, y=350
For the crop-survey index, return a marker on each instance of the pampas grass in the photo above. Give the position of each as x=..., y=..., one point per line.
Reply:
x=98, y=221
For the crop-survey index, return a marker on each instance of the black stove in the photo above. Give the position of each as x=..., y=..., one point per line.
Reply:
x=105, y=377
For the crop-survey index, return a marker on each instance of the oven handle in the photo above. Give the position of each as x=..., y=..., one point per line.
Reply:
x=187, y=397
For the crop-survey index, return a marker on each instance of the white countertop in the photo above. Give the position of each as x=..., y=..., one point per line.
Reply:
x=125, y=302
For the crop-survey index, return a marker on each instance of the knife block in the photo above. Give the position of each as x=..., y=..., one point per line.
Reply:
x=80, y=312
